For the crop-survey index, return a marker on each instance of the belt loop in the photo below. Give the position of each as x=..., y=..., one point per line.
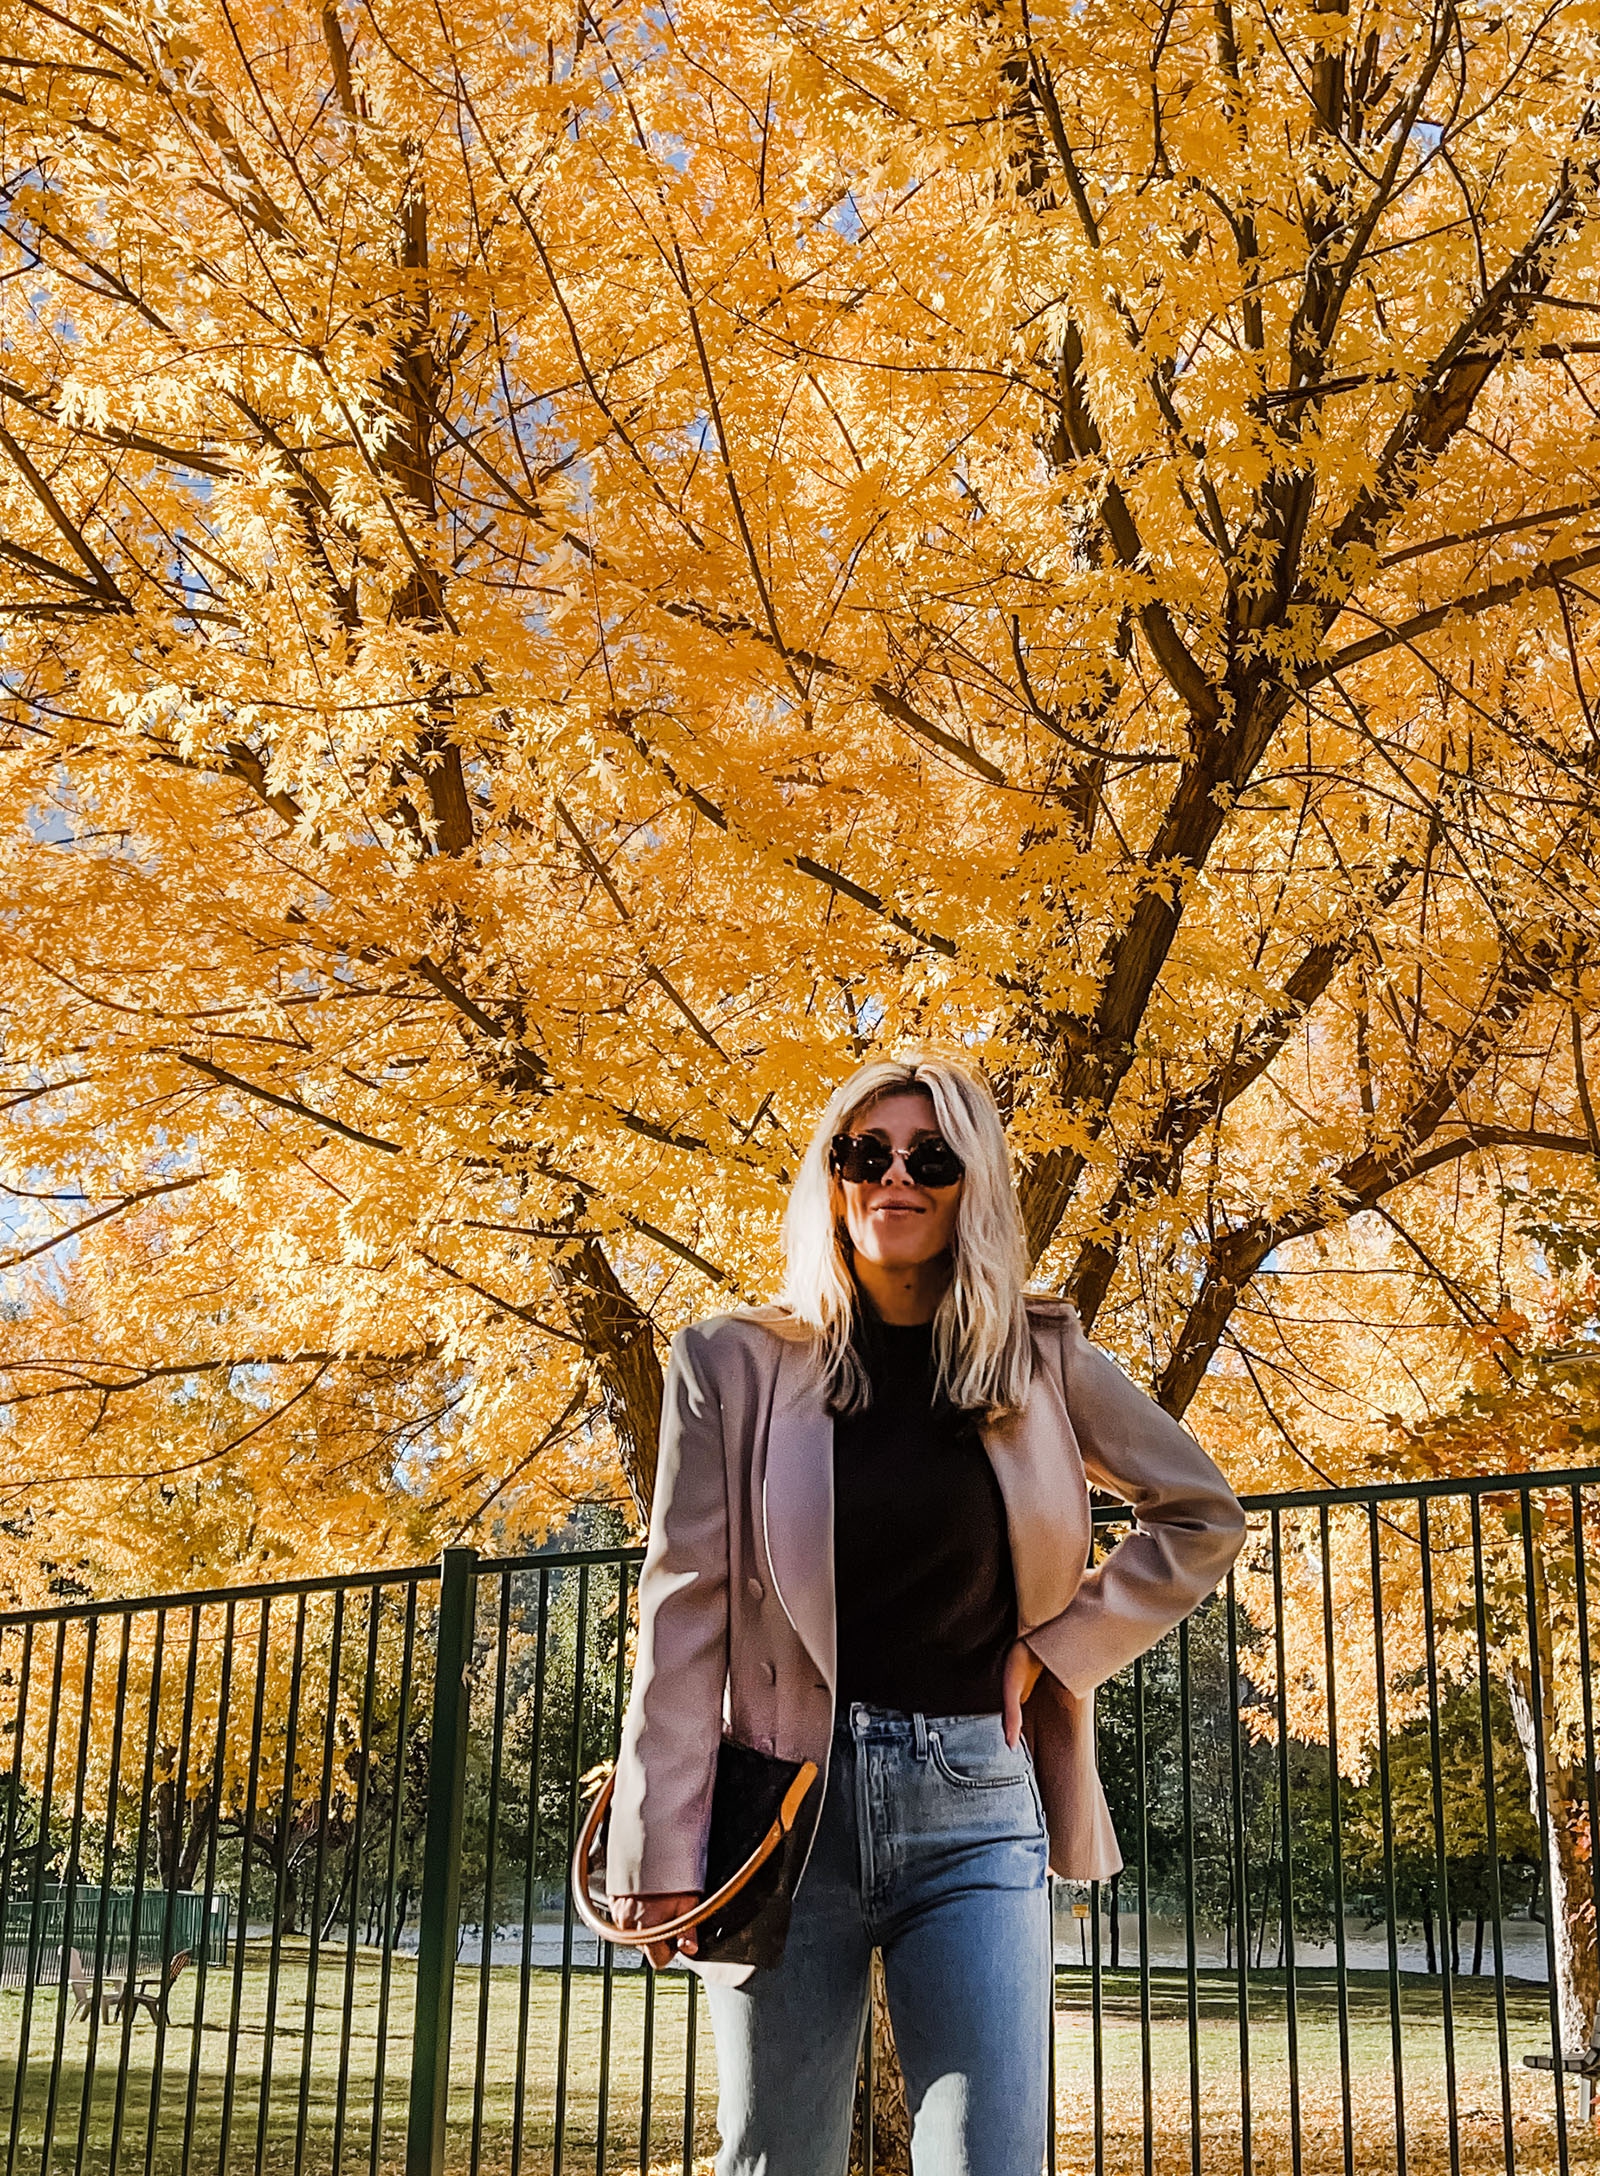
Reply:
x=919, y=1734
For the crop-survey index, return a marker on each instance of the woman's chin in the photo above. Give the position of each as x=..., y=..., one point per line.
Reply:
x=889, y=1250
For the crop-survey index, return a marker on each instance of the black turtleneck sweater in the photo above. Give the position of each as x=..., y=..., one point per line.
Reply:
x=927, y=1604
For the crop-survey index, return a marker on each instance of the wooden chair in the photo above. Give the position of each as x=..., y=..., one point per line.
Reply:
x=151, y=1991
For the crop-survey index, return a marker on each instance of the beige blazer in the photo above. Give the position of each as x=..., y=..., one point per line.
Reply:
x=736, y=1602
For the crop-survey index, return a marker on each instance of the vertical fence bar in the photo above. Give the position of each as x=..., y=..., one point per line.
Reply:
x=1538, y=1684
x=358, y=1837
x=41, y=1858
x=219, y=1770
x=646, y=2069
x=1286, y=1862
x=525, y=1976
x=98, y=1974
x=69, y=1899
x=179, y=1803
x=1147, y=2113
x=691, y=2035
x=18, y=1753
x=1052, y=2157
x=314, y=1925
x=1380, y=1672
x=1241, y=1874
x=1341, y=1961
x=580, y=1659
x=402, y=1739
x=1580, y=1588
x=439, y=1916
x=609, y=1965
x=486, y=1931
x=1190, y=1931
x=141, y=1860
x=246, y=1853
x=280, y=1886
x=1492, y=1840
x=1446, y=1907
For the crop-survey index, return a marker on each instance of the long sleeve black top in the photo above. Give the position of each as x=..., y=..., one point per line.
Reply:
x=926, y=1599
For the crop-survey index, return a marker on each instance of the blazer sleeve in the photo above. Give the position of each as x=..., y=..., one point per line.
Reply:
x=1188, y=1524
x=661, y=1809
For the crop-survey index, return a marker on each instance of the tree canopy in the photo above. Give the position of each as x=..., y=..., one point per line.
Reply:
x=568, y=572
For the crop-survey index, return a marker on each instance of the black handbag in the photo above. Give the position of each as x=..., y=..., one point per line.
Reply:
x=754, y=1852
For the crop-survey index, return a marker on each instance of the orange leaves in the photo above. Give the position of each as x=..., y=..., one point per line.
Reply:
x=563, y=574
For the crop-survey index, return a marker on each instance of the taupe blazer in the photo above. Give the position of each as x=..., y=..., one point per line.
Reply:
x=736, y=1602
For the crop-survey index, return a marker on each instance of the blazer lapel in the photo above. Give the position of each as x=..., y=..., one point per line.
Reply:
x=797, y=1504
x=1040, y=1470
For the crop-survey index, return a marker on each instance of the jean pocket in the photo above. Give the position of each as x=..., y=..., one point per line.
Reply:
x=1004, y=1772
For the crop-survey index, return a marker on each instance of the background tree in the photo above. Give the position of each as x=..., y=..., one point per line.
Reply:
x=548, y=608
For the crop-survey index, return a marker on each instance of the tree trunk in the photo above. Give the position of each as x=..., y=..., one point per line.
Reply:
x=617, y=1338
x=1427, y=1938
x=1116, y=1922
x=1477, y=1944
x=891, y=2118
x=1563, y=1822
x=337, y=1905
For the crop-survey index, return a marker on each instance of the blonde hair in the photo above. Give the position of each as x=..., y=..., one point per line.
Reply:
x=983, y=1356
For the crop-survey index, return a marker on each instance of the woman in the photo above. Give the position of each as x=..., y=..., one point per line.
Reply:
x=868, y=1549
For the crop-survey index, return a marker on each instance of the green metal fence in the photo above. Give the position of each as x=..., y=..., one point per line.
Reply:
x=1356, y=1793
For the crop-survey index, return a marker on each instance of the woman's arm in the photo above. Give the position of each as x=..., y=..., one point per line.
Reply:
x=1188, y=1526
x=667, y=1761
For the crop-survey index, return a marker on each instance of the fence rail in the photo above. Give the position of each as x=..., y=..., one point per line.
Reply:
x=1356, y=1794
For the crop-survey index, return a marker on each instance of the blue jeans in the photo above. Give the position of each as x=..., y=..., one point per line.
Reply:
x=930, y=1846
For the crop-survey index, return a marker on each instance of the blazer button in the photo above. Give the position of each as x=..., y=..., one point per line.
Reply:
x=754, y=1589
x=769, y=1671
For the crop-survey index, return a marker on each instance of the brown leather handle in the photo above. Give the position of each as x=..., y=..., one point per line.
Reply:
x=594, y=1912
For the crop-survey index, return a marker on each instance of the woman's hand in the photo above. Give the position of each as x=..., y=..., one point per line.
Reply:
x=639, y=1912
x=1022, y=1674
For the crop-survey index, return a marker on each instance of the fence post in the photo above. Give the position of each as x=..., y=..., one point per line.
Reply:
x=438, y=1924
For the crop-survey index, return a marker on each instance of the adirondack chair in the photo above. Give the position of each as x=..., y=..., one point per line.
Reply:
x=1584, y=2066
x=152, y=1990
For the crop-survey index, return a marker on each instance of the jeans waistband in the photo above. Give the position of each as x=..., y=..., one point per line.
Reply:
x=860, y=1720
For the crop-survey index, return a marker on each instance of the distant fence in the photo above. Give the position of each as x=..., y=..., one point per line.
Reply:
x=108, y=1928
x=1356, y=1794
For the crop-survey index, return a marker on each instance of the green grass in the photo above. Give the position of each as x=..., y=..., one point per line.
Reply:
x=253, y=2106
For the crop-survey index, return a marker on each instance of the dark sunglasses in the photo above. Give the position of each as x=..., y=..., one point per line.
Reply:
x=863, y=1158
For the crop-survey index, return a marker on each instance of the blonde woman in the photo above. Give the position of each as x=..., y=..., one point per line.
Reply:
x=868, y=1549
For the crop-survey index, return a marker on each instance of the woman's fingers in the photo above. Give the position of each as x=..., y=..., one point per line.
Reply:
x=637, y=1914
x=1021, y=1675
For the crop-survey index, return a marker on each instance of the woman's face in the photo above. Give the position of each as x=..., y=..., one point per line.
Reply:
x=890, y=1221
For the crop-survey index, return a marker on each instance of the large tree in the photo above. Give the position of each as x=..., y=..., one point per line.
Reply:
x=568, y=571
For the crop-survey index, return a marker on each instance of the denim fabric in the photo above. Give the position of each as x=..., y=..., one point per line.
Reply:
x=930, y=1846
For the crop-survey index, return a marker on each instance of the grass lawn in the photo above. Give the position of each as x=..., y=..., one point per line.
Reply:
x=233, y=2101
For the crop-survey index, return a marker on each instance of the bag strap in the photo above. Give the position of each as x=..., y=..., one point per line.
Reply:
x=594, y=1911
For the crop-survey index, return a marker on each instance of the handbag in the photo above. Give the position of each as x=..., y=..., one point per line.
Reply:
x=754, y=1852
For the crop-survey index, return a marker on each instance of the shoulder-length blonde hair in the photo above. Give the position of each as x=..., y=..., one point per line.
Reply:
x=982, y=1352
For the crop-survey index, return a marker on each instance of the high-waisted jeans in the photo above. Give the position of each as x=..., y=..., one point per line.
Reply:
x=930, y=1846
